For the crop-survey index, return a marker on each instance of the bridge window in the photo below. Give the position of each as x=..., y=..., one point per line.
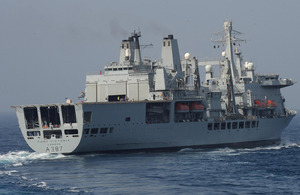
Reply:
x=68, y=113
x=50, y=116
x=31, y=117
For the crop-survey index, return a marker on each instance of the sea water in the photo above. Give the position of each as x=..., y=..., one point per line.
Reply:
x=272, y=169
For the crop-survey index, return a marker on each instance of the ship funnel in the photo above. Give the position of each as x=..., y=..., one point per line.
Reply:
x=126, y=51
x=130, y=50
x=170, y=54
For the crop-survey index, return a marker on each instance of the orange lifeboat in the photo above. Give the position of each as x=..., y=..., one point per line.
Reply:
x=259, y=104
x=179, y=107
x=273, y=104
x=196, y=107
x=269, y=103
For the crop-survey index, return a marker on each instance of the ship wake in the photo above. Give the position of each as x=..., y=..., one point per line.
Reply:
x=20, y=158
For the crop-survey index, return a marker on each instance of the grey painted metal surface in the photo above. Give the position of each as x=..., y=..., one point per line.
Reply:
x=139, y=104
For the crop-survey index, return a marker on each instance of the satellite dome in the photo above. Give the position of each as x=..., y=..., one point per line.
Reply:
x=187, y=56
x=208, y=68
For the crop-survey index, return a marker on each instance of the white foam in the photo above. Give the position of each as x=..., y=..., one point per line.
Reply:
x=285, y=143
x=18, y=164
x=8, y=172
x=74, y=189
x=41, y=184
x=24, y=178
x=19, y=158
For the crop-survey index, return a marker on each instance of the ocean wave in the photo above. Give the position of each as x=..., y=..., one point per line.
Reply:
x=8, y=172
x=19, y=158
x=284, y=144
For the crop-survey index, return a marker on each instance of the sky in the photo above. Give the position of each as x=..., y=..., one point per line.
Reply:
x=48, y=47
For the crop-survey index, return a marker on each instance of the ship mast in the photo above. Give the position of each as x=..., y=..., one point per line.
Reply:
x=228, y=39
x=137, y=52
x=230, y=71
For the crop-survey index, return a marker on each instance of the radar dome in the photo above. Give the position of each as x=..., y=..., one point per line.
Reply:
x=250, y=66
x=187, y=56
x=208, y=68
x=223, y=53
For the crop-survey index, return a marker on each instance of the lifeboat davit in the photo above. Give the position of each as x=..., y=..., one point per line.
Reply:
x=179, y=107
x=196, y=107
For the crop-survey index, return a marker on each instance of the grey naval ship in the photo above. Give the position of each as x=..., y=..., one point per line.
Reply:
x=146, y=105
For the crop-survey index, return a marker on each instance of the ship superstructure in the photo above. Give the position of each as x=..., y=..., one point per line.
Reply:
x=140, y=104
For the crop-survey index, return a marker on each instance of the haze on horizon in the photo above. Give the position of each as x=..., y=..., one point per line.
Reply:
x=48, y=47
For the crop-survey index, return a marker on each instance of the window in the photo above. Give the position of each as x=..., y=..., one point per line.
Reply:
x=241, y=125
x=86, y=131
x=169, y=43
x=216, y=126
x=257, y=123
x=71, y=131
x=229, y=125
x=87, y=118
x=209, y=126
x=247, y=124
x=127, y=119
x=116, y=98
x=164, y=43
x=33, y=133
x=31, y=118
x=253, y=125
x=223, y=125
x=111, y=130
x=94, y=131
x=48, y=134
x=103, y=130
x=234, y=125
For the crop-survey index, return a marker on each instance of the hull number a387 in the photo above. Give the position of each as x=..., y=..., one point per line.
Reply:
x=55, y=149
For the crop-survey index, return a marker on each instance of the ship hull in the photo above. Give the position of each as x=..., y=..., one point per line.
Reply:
x=123, y=127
